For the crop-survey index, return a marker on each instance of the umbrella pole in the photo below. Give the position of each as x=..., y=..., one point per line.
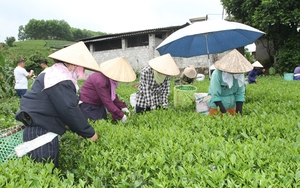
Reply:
x=208, y=66
x=207, y=51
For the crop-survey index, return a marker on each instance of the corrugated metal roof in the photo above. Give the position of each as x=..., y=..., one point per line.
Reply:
x=133, y=33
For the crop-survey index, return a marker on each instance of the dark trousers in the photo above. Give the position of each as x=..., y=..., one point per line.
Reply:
x=140, y=109
x=93, y=112
x=21, y=92
x=46, y=153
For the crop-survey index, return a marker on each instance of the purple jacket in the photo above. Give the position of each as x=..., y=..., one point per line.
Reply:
x=96, y=91
x=297, y=70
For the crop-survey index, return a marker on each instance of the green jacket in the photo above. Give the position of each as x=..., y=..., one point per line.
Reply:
x=220, y=91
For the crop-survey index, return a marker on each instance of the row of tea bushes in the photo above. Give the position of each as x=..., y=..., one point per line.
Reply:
x=180, y=148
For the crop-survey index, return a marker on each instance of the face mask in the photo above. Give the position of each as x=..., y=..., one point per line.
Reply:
x=159, y=78
x=72, y=70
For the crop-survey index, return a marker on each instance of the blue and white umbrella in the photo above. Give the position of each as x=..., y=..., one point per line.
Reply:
x=208, y=37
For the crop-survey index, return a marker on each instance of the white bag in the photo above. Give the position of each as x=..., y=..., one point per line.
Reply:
x=28, y=146
x=201, y=106
x=133, y=100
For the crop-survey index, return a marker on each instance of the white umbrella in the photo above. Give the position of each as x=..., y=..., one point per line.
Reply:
x=208, y=37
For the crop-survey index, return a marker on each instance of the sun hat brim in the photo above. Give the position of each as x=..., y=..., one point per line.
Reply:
x=165, y=65
x=76, y=54
x=118, y=69
x=234, y=62
x=257, y=64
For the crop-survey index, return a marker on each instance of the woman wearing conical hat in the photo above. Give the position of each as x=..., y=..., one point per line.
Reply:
x=189, y=75
x=154, y=85
x=51, y=106
x=98, y=92
x=227, y=84
x=256, y=71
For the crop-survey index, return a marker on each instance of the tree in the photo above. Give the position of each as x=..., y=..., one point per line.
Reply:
x=53, y=29
x=279, y=19
x=10, y=40
x=21, y=34
x=35, y=29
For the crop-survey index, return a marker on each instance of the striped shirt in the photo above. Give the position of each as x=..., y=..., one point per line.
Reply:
x=150, y=94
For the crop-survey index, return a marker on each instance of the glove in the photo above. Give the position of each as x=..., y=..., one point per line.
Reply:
x=239, y=107
x=125, y=110
x=220, y=105
x=124, y=119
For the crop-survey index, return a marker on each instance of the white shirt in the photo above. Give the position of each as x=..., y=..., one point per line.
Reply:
x=21, y=78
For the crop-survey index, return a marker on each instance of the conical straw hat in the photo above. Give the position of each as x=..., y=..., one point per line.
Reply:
x=190, y=71
x=257, y=64
x=118, y=69
x=234, y=62
x=76, y=54
x=165, y=65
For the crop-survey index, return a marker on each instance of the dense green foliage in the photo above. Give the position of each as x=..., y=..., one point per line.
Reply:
x=178, y=147
x=279, y=19
x=6, y=78
x=53, y=30
x=10, y=40
x=33, y=51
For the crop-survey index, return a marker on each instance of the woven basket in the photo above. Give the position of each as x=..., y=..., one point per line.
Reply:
x=184, y=96
x=9, y=139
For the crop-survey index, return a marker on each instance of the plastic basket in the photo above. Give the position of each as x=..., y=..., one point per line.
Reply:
x=288, y=76
x=9, y=139
x=184, y=96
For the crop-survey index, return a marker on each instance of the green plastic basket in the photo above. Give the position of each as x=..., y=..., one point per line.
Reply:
x=184, y=96
x=288, y=76
x=9, y=139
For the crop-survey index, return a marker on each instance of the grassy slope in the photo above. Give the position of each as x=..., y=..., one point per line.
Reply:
x=24, y=49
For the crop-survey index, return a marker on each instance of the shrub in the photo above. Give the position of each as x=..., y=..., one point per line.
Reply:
x=6, y=78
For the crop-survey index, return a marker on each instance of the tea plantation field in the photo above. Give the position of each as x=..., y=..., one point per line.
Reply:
x=177, y=147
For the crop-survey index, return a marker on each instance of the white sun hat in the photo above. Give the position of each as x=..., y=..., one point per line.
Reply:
x=257, y=64
x=118, y=69
x=234, y=62
x=76, y=54
x=165, y=65
x=190, y=71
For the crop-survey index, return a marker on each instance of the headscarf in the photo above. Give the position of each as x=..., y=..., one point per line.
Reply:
x=228, y=79
x=80, y=72
x=159, y=78
x=113, y=86
x=58, y=73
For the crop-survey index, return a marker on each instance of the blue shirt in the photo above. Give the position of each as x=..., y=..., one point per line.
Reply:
x=252, y=75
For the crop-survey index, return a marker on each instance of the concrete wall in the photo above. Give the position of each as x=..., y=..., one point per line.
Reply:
x=138, y=57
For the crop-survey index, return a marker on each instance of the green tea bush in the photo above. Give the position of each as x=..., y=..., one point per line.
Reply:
x=6, y=78
x=181, y=148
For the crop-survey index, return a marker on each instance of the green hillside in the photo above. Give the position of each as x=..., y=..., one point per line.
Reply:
x=28, y=49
